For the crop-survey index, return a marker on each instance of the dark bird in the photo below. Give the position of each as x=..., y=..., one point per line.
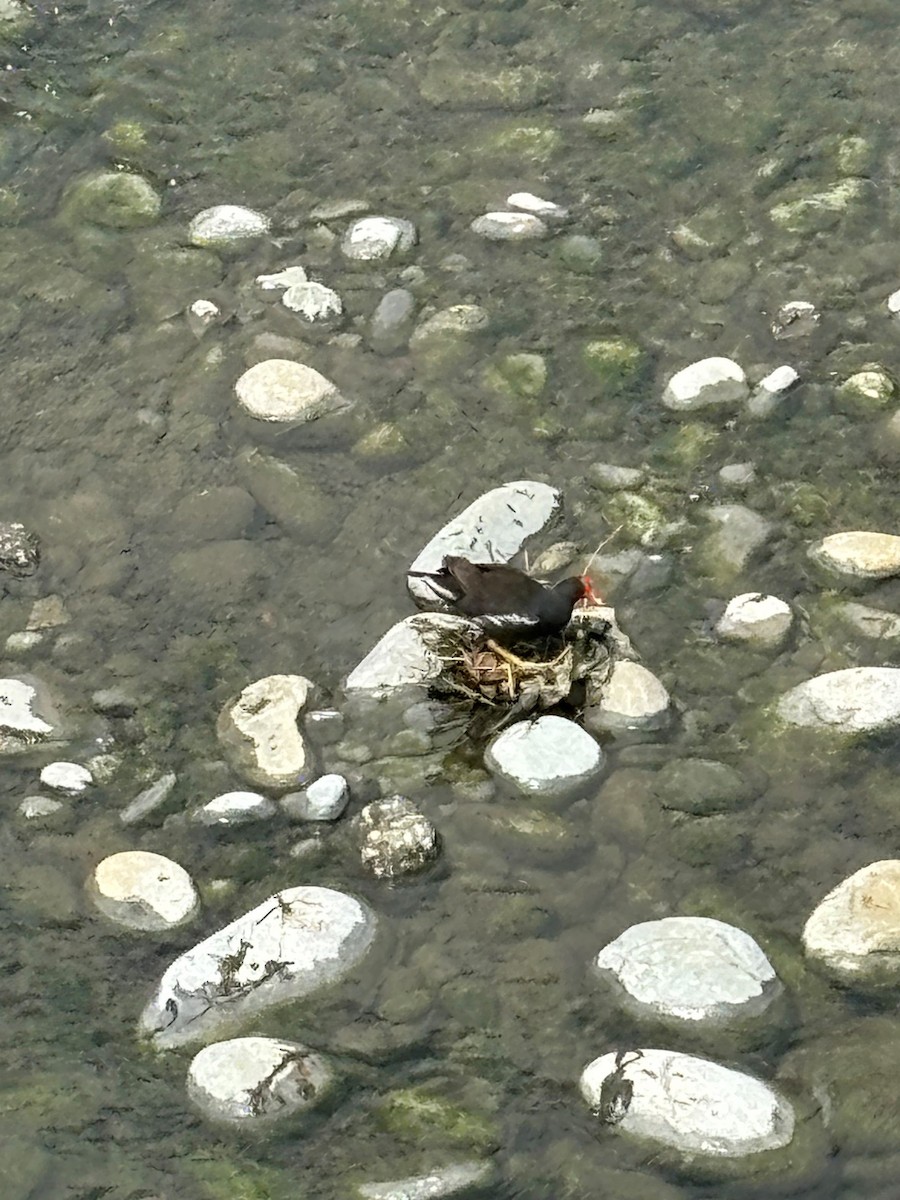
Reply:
x=505, y=601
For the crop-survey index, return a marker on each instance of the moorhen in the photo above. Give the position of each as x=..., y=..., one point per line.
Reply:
x=505, y=601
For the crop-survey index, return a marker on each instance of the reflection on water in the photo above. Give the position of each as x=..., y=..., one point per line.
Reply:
x=718, y=160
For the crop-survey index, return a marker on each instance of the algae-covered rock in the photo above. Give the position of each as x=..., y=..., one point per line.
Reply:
x=518, y=375
x=113, y=199
x=614, y=362
x=814, y=212
x=867, y=391
x=290, y=497
x=450, y=84
x=422, y=1114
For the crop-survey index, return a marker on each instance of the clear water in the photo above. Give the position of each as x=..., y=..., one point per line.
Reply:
x=115, y=415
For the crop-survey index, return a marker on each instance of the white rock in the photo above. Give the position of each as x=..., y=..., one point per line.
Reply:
x=687, y=1103
x=66, y=777
x=408, y=654
x=290, y=945
x=871, y=622
x=33, y=808
x=141, y=890
x=549, y=756
x=509, y=226
x=226, y=223
x=235, y=808
x=205, y=311
x=287, y=278
x=323, y=800
x=22, y=641
x=893, y=302
x=256, y=1079
x=859, y=553
x=769, y=392
x=796, y=318
x=395, y=838
x=855, y=930
x=455, y=321
x=447, y=1181
x=632, y=698
x=378, y=237
x=260, y=730
x=757, y=618
x=492, y=529
x=709, y=381
x=528, y=202
x=855, y=700
x=149, y=799
x=313, y=301
x=690, y=969
x=27, y=714
x=737, y=475
x=278, y=389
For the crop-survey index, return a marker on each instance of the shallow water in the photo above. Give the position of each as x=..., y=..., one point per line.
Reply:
x=116, y=416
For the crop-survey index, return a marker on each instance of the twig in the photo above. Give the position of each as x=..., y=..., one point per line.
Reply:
x=605, y=542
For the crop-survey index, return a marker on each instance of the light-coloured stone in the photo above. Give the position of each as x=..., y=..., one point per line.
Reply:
x=27, y=714
x=631, y=698
x=378, y=237
x=687, y=1103
x=313, y=301
x=66, y=777
x=855, y=930
x=254, y=1080
x=323, y=800
x=260, y=731
x=287, y=278
x=549, y=756
x=871, y=622
x=48, y=613
x=455, y=321
x=235, y=808
x=613, y=478
x=769, y=392
x=860, y=553
x=509, y=226
x=739, y=534
x=408, y=655
x=737, y=475
x=869, y=389
x=492, y=529
x=755, y=618
x=149, y=800
x=202, y=314
x=395, y=838
x=692, y=969
x=225, y=224
x=893, y=303
x=292, y=944
x=278, y=389
x=704, y=383
x=855, y=700
x=141, y=890
x=796, y=318
x=528, y=202
x=458, y=1178
x=33, y=808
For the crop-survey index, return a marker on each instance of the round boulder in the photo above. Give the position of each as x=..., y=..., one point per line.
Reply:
x=225, y=224
x=378, y=237
x=254, y=1080
x=632, y=698
x=855, y=930
x=704, y=383
x=756, y=619
x=395, y=838
x=549, y=756
x=855, y=700
x=278, y=389
x=141, y=890
x=859, y=553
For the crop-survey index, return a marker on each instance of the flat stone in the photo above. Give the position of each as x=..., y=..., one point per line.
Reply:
x=392, y=321
x=871, y=622
x=149, y=800
x=755, y=618
x=259, y=731
x=739, y=534
x=528, y=202
x=855, y=930
x=254, y=1080
x=287, y=278
x=378, y=237
x=492, y=529
x=770, y=391
x=313, y=301
x=278, y=389
x=631, y=698
x=859, y=553
x=455, y=321
x=690, y=1104
x=509, y=226
x=323, y=800
x=225, y=224
x=289, y=946
x=704, y=383
x=447, y=1181
x=855, y=700
x=20, y=550
x=395, y=838
x=145, y=891
x=893, y=303
x=737, y=475
x=408, y=655
x=692, y=969
x=66, y=777
x=235, y=808
x=612, y=478
x=34, y=808
x=549, y=756
x=27, y=714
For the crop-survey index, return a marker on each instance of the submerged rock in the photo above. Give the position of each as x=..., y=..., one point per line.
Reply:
x=114, y=199
x=378, y=237
x=445, y=1181
x=631, y=698
x=691, y=969
x=709, y=381
x=20, y=550
x=549, y=756
x=855, y=930
x=256, y=1080
x=755, y=618
x=235, y=808
x=313, y=301
x=226, y=224
x=290, y=945
x=279, y=389
x=855, y=700
x=395, y=838
x=509, y=226
x=859, y=553
x=66, y=777
x=323, y=800
x=260, y=733
x=145, y=891
x=492, y=529
x=690, y=1104
x=27, y=714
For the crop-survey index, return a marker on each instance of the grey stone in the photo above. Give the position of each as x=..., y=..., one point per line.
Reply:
x=226, y=224
x=323, y=800
x=409, y=654
x=114, y=702
x=855, y=700
x=551, y=756
x=149, y=800
x=20, y=550
x=443, y=1181
x=392, y=321
x=235, y=808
